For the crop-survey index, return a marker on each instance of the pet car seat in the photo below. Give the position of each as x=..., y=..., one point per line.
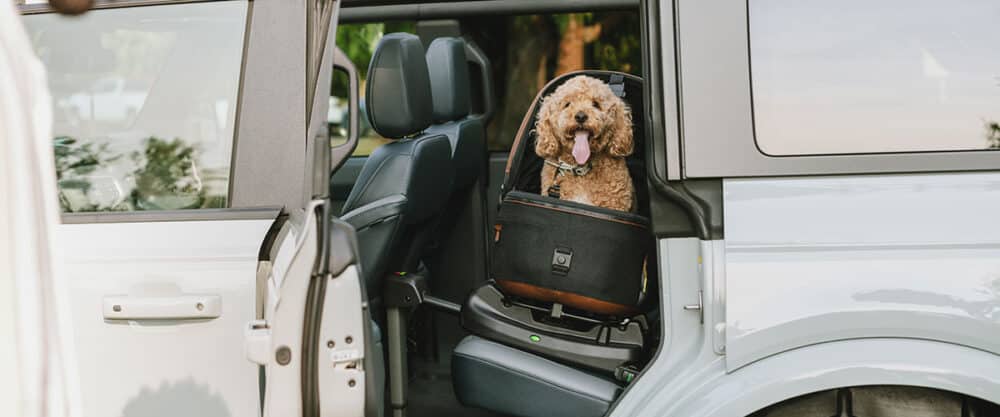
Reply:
x=570, y=280
x=581, y=256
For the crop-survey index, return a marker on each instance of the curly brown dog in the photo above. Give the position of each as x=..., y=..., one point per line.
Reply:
x=584, y=133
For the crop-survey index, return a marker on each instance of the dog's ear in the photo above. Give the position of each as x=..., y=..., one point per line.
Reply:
x=546, y=141
x=621, y=143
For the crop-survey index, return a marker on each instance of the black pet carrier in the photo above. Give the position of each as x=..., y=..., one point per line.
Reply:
x=570, y=280
x=580, y=256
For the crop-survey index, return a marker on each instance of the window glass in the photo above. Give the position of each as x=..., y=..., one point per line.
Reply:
x=144, y=104
x=525, y=52
x=860, y=76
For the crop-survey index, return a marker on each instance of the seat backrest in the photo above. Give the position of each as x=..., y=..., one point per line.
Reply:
x=406, y=182
x=451, y=88
x=461, y=230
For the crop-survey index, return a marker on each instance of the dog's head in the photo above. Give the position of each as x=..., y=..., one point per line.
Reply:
x=583, y=116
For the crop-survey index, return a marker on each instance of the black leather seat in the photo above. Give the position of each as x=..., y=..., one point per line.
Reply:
x=451, y=88
x=506, y=380
x=405, y=183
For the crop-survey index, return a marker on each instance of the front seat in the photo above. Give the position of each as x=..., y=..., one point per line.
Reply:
x=460, y=230
x=451, y=88
x=406, y=182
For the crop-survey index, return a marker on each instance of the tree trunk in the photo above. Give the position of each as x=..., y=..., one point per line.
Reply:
x=529, y=41
x=573, y=43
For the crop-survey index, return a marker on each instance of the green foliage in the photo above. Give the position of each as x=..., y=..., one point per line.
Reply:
x=82, y=159
x=619, y=48
x=73, y=164
x=166, y=176
x=358, y=41
x=163, y=175
x=993, y=135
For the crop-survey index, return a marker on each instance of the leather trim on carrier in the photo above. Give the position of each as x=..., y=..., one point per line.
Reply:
x=573, y=300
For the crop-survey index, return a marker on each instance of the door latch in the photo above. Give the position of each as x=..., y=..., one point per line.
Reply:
x=698, y=307
x=257, y=342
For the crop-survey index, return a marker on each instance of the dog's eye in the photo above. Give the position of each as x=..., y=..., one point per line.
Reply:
x=566, y=104
x=596, y=105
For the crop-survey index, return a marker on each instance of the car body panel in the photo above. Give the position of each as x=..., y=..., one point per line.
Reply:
x=134, y=367
x=811, y=260
x=707, y=389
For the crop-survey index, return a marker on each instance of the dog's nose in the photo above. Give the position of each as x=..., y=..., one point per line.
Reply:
x=581, y=117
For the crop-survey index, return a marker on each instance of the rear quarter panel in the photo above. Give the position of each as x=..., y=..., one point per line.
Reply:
x=813, y=260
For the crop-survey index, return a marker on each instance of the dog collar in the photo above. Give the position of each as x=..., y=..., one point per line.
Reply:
x=564, y=168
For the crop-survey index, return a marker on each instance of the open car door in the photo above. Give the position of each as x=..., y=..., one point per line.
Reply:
x=312, y=338
x=191, y=157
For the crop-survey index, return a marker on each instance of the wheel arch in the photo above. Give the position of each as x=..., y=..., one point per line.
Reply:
x=846, y=363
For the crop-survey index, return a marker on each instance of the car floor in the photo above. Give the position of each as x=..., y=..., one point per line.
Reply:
x=431, y=393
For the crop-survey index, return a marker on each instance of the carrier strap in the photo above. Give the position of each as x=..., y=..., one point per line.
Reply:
x=564, y=168
x=617, y=84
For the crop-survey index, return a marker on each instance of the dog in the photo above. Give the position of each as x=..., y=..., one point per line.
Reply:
x=584, y=132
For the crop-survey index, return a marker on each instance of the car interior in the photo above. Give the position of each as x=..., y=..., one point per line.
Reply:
x=424, y=204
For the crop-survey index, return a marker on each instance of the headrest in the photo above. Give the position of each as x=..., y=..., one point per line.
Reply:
x=449, y=78
x=398, y=91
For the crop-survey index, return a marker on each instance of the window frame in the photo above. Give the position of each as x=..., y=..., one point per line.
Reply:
x=266, y=168
x=717, y=126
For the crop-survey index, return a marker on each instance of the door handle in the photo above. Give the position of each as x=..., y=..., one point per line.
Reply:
x=185, y=307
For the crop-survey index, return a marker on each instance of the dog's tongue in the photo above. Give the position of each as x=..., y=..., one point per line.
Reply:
x=581, y=149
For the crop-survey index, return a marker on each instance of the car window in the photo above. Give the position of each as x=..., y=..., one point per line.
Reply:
x=144, y=104
x=860, y=76
x=525, y=52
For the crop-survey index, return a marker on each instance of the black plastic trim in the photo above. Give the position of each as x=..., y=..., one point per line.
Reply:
x=343, y=152
x=267, y=246
x=673, y=202
x=488, y=314
x=355, y=12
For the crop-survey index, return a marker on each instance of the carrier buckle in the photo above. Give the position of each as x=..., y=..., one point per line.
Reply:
x=554, y=191
x=562, y=258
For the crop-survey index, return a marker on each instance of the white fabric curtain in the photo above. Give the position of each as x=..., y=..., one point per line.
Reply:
x=39, y=377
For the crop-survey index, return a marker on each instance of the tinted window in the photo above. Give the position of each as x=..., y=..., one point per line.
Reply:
x=861, y=76
x=144, y=104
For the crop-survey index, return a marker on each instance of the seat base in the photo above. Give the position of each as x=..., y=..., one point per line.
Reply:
x=595, y=345
x=499, y=378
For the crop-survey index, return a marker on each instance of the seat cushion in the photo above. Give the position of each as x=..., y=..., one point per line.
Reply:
x=506, y=380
